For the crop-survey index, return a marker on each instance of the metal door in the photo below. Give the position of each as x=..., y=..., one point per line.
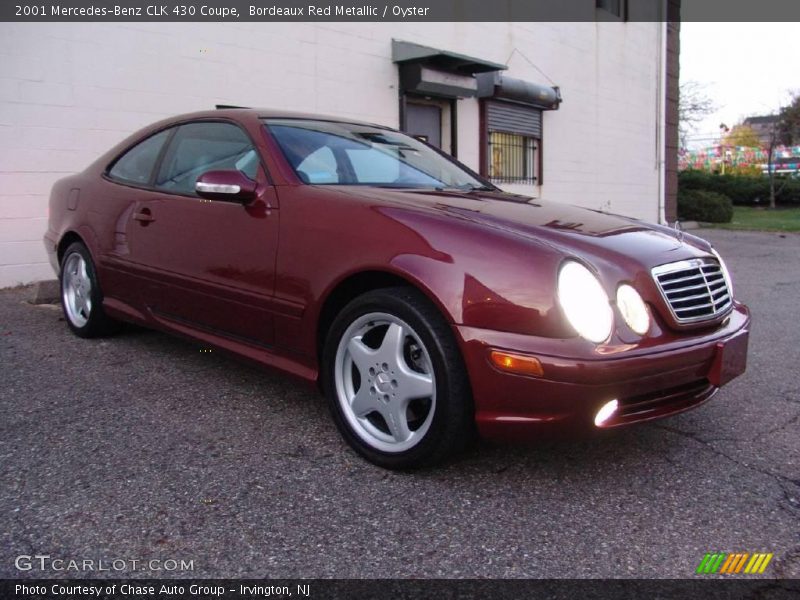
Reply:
x=424, y=122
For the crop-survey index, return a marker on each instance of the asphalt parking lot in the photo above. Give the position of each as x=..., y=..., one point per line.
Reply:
x=141, y=446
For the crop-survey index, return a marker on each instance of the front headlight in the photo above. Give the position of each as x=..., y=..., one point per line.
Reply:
x=633, y=309
x=725, y=273
x=584, y=302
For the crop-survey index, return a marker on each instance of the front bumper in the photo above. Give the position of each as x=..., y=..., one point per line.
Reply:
x=649, y=383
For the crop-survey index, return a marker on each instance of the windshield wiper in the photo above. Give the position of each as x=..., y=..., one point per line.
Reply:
x=470, y=187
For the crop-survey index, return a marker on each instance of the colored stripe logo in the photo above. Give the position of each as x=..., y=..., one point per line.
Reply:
x=734, y=563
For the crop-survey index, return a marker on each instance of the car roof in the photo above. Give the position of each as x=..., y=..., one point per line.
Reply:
x=267, y=113
x=243, y=115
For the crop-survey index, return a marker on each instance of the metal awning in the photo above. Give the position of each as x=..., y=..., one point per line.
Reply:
x=444, y=60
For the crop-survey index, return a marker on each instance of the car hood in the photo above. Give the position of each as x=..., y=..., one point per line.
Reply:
x=570, y=229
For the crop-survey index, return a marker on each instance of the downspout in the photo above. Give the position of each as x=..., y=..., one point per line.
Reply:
x=661, y=131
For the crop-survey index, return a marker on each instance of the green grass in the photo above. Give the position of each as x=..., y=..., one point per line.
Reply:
x=759, y=219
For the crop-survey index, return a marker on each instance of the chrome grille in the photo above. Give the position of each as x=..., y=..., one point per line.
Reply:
x=695, y=290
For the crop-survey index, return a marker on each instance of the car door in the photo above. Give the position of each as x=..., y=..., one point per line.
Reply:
x=129, y=257
x=216, y=259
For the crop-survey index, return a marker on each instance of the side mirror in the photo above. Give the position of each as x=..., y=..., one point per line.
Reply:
x=229, y=186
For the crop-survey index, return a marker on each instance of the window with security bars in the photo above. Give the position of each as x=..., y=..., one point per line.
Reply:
x=618, y=8
x=512, y=158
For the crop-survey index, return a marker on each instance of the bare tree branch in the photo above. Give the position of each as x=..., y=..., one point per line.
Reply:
x=693, y=106
x=784, y=130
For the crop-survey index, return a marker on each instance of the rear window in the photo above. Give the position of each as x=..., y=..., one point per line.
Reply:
x=136, y=165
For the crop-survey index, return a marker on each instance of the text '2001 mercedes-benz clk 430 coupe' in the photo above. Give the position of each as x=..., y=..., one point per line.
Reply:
x=424, y=301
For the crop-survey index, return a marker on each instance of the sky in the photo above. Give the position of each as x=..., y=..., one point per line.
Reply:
x=747, y=69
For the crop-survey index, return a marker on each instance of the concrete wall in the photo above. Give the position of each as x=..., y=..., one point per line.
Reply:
x=70, y=91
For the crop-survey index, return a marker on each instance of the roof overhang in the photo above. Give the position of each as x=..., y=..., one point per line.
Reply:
x=430, y=71
x=444, y=60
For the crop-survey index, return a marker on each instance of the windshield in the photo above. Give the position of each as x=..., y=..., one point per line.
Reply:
x=332, y=153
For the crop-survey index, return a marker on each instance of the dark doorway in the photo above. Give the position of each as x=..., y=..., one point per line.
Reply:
x=424, y=121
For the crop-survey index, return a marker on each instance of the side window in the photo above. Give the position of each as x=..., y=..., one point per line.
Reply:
x=136, y=165
x=200, y=147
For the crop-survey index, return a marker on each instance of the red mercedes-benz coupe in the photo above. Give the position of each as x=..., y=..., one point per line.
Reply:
x=423, y=300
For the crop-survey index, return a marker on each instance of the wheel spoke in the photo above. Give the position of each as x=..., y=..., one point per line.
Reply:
x=84, y=276
x=364, y=402
x=391, y=350
x=80, y=302
x=414, y=385
x=361, y=354
x=395, y=416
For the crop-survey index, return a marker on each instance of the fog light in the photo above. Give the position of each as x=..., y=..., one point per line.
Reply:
x=606, y=412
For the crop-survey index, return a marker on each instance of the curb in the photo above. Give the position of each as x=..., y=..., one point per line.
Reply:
x=45, y=292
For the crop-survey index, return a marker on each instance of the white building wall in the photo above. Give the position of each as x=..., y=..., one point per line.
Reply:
x=70, y=91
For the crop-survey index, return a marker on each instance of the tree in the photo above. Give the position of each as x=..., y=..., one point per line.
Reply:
x=693, y=106
x=789, y=122
x=785, y=130
x=742, y=135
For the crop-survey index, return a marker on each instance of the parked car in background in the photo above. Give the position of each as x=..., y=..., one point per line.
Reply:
x=423, y=300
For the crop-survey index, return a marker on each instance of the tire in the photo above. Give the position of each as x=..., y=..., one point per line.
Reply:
x=81, y=297
x=395, y=380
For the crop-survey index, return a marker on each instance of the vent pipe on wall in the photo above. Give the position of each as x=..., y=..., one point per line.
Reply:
x=500, y=87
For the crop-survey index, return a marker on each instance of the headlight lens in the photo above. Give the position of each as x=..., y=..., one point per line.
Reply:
x=633, y=309
x=584, y=302
x=725, y=273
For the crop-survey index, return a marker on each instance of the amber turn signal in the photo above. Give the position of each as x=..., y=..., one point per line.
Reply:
x=523, y=365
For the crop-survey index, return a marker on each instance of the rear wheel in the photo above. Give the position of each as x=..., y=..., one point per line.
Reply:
x=395, y=380
x=81, y=297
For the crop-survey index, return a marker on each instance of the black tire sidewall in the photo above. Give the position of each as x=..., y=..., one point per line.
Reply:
x=453, y=405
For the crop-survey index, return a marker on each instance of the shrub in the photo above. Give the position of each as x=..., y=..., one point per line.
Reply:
x=745, y=170
x=744, y=190
x=702, y=205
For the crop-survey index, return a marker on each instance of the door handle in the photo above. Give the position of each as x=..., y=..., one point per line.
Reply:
x=144, y=216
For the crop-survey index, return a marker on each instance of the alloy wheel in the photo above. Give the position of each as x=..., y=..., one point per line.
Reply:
x=385, y=383
x=76, y=290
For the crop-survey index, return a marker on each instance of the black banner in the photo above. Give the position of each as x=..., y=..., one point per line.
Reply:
x=398, y=10
x=390, y=589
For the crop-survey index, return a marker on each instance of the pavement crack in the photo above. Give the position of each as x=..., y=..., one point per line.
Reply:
x=791, y=421
x=693, y=436
x=785, y=483
x=784, y=564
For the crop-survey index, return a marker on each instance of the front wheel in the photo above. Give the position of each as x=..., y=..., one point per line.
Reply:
x=395, y=381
